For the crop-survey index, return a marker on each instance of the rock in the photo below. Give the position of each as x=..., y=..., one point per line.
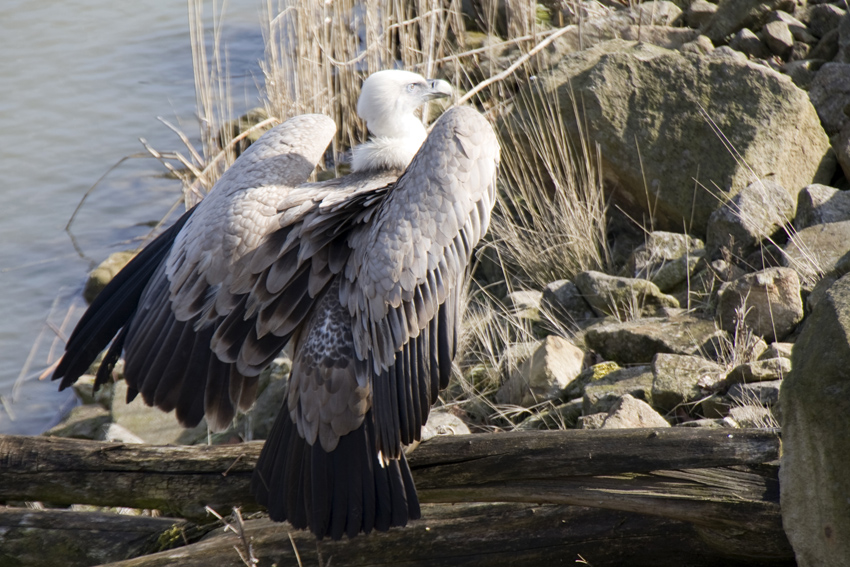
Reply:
x=819, y=250
x=830, y=95
x=767, y=370
x=714, y=406
x=821, y=204
x=843, y=55
x=704, y=285
x=777, y=350
x=749, y=43
x=441, y=422
x=662, y=36
x=799, y=30
x=588, y=376
x=659, y=249
x=802, y=72
x=563, y=416
x=827, y=48
x=700, y=46
x=257, y=422
x=680, y=378
x=733, y=15
x=699, y=13
x=84, y=388
x=660, y=177
x=525, y=300
x=841, y=145
x=824, y=18
x=639, y=341
x=84, y=422
x=602, y=395
x=593, y=421
x=151, y=424
x=769, y=300
x=629, y=412
x=118, y=434
x=624, y=297
x=554, y=364
x=815, y=417
x=756, y=213
x=708, y=423
x=764, y=393
x=658, y=13
x=778, y=38
x=105, y=271
x=563, y=301
x=752, y=416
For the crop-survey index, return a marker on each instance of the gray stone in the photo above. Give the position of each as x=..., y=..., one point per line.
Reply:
x=821, y=204
x=84, y=388
x=115, y=433
x=752, y=417
x=629, y=412
x=84, y=422
x=563, y=301
x=777, y=350
x=105, y=271
x=824, y=18
x=764, y=393
x=843, y=55
x=623, y=297
x=441, y=422
x=778, y=38
x=841, y=145
x=554, y=364
x=701, y=423
x=636, y=342
x=830, y=95
x=588, y=376
x=658, y=13
x=769, y=300
x=677, y=143
x=151, y=424
x=525, y=300
x=818, y=250
x=563, y=416
x=592, y=421
x=680, y=378
x=700, y=46
x=767, y=370
x=802, y=72
x=756, y=213
x=827, y=47
x=799, y=30
x=733, y=15
x=704, y=285
x=815, y=417
x=666, y=258
x=602, y=394
x=749, y=43
x=699, y=13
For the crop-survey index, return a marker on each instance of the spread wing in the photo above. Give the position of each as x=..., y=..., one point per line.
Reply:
x=403, y=281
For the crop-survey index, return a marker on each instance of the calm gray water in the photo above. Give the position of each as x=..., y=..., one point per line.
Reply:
x=80, y=82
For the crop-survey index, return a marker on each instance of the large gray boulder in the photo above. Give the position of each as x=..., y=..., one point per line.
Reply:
x=815, y=417
x=830, y=95
x=733, y=15
x=819, y=250
x=662, y=153
x=769, y=301
x=821, y=204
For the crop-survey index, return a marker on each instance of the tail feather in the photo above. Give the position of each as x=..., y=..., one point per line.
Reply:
x=345, y=491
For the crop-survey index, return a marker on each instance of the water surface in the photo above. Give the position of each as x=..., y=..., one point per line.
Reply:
x=80, y=82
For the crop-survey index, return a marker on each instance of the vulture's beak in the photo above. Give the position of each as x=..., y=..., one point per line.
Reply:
x=438, y=89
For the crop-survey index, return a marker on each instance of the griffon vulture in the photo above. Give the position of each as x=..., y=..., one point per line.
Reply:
x=363, y=275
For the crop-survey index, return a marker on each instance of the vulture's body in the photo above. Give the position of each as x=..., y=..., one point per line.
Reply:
x=362, y=274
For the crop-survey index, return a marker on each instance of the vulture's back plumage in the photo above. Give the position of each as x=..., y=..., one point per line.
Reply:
x=363, y=274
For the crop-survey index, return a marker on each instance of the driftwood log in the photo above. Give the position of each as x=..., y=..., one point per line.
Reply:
x=691, y=486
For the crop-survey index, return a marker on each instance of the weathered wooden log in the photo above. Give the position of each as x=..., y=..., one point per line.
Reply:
x=716, y=487
x=78, y=538
x=469, y=535
x=182, y=480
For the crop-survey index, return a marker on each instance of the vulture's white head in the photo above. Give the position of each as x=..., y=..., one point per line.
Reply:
x=387, y=103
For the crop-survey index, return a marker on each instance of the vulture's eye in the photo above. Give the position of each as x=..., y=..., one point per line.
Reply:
x=411, y=87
